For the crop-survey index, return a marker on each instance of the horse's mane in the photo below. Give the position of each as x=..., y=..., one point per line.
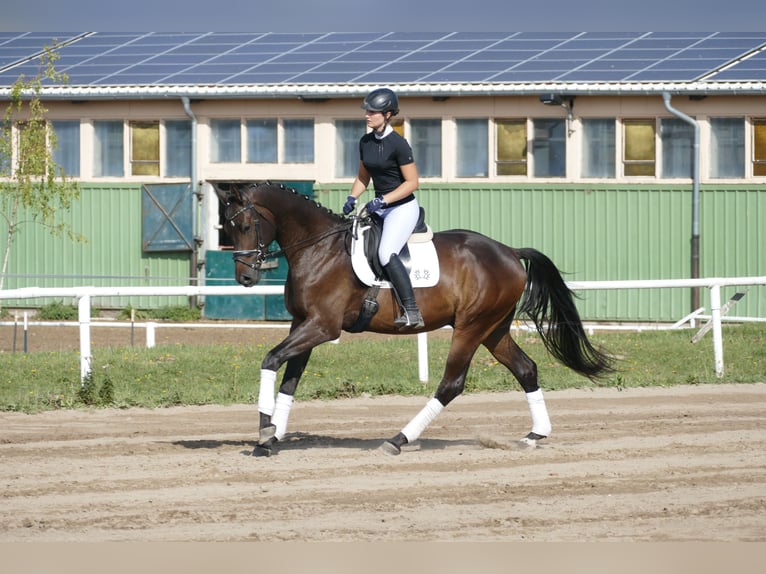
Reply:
x=282, y=188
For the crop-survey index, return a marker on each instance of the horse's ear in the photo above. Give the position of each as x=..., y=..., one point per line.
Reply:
x=225, y=192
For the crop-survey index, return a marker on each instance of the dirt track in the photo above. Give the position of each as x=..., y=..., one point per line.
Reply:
x=674, y=464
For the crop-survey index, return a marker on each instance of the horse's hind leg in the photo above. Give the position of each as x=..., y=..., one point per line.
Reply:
x=452, y=384
x=508, y=353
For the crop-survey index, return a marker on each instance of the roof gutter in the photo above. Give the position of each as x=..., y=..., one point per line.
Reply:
x=287, y=91
x=695, y=245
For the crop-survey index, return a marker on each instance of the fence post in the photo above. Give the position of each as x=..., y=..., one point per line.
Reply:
x=423, y=357
x=83, y=315
x=150, y=334
x=715, y=318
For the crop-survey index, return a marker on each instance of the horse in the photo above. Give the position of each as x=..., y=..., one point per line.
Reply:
x=483, y=285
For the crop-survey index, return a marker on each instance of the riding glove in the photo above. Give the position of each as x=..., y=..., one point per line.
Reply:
x=349, y=205
x=376, y=205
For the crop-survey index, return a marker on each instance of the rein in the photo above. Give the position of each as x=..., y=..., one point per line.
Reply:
x=260, y=252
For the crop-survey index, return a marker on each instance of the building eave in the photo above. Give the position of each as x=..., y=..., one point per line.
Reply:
x=320, y=91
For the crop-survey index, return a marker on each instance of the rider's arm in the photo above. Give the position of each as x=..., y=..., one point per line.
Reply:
x=407, y=187
x=361, y=182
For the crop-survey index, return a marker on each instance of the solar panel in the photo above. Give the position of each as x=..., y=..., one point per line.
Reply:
x=127, y=58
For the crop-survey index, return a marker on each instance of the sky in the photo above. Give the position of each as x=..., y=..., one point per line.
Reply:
x=381, y=15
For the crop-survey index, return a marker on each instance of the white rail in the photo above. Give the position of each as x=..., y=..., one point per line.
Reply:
x=84, y=296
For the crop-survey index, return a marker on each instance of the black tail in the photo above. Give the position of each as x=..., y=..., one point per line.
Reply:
x=550, y=304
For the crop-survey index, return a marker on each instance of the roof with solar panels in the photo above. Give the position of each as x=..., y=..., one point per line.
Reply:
x=215, y=64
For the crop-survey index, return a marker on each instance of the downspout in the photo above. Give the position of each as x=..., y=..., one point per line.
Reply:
x=195, y=197
x=695, y=262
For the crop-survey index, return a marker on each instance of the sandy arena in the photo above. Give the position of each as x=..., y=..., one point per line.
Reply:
x=660, y=464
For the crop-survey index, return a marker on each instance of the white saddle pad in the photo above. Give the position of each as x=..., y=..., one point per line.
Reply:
x=423, y=264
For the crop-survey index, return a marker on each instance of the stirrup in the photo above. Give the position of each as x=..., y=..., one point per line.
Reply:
x=409, y=319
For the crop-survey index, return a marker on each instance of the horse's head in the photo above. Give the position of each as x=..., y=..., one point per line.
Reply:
x=250, y=230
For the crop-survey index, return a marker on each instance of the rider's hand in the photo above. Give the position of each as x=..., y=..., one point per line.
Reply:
x=348, y=207
x=376, y=205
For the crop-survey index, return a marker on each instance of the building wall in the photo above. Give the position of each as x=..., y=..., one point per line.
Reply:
x=636, y=228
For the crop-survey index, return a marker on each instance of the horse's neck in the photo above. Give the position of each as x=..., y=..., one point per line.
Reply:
x=300, y=232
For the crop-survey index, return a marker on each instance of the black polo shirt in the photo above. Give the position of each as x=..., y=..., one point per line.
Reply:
x=383, y=159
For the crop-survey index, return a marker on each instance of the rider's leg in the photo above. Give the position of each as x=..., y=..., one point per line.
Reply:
x=398, y=223
x=400, y=279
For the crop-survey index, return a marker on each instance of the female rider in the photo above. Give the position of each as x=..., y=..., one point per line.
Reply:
x=386, y=158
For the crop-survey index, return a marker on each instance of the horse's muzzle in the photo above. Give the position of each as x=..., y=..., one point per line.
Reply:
x=249, y=278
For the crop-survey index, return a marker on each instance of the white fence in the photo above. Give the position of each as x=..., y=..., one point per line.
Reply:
x=84, y=295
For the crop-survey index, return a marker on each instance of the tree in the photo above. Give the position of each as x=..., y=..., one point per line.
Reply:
x=32, y=184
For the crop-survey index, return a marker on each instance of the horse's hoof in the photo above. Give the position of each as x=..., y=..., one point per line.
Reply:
x=390, y=448
x=266, y=434
x=530, y=441
x=527, y=443
x=262, y=450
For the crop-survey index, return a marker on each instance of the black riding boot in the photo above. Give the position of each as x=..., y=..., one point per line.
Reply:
x=397, y=274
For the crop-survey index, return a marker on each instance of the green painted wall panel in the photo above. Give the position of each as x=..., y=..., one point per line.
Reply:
x=592, y=232
x=612, y=232
x=109, y=216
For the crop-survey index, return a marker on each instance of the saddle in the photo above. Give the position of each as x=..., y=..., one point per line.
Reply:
x=418, y=255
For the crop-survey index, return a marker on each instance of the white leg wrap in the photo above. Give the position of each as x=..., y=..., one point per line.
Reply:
x=266, y=392
x=281, y=414
x=541, y=424
x=417, y=425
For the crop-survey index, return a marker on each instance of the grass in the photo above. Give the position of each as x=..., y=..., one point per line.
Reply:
x=229, y=374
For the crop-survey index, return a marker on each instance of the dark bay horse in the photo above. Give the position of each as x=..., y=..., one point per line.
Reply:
x=478, y=294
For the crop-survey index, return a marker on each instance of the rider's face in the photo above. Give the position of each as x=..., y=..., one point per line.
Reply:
x=375, y=120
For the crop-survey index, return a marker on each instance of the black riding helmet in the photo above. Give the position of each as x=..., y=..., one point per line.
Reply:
x=381, y=100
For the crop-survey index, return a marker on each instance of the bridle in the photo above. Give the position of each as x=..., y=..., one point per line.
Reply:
x=260, y=253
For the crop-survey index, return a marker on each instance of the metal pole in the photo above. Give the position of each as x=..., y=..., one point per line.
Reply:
x=695, y=242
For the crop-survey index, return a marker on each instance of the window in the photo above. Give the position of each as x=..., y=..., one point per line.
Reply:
x=178, y=148
x=677, y=148
x=727, y=147
x=347, y=134
x=427, y=146
x=759, y=147
x=66, y=153
x=549, y=148
x=225, y=141
x=261, y=141
x=299, y=141
x=108, y=149
x=472, y=152
x=511, y=147
x=32, y=140
x=145, y=148
x=598, y=147
x=639, y=147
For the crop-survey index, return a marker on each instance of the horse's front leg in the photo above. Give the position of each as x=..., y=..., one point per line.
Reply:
x=295, y=350
x=275, y=412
